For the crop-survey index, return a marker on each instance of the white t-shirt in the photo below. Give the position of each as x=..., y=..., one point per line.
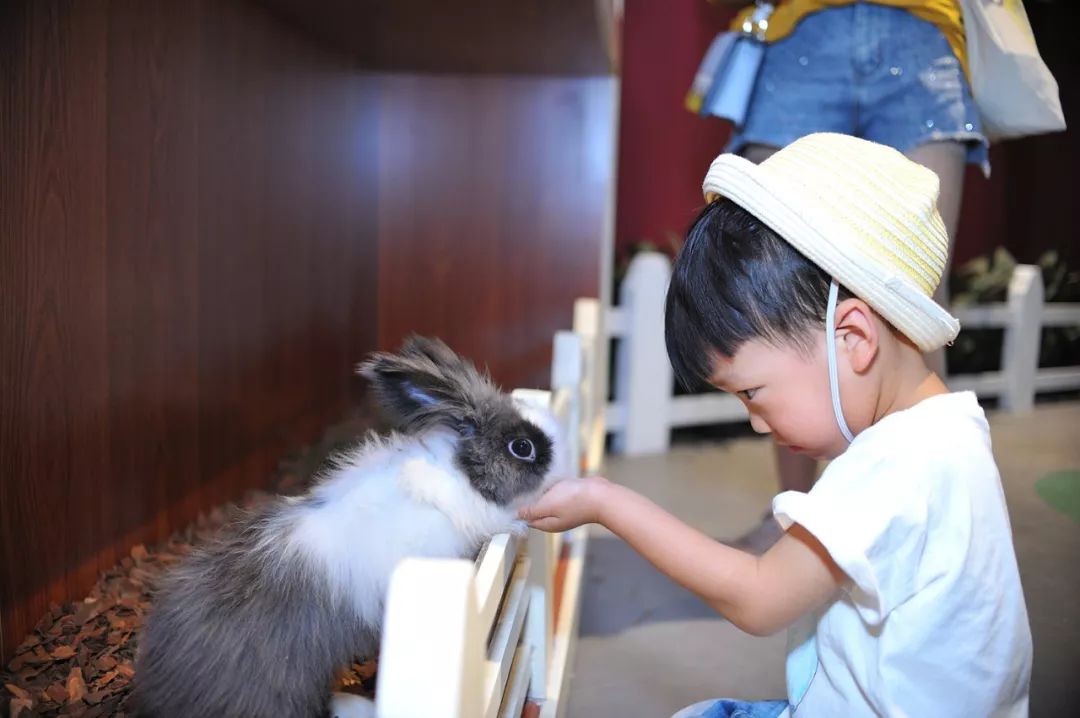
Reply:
x=933, y=621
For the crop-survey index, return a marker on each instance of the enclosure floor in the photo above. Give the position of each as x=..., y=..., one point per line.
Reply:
x=648, y=648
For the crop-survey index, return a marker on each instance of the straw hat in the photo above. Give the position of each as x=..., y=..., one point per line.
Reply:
x=863, y=212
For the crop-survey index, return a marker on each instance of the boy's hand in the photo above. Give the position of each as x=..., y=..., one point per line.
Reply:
x=566, y=505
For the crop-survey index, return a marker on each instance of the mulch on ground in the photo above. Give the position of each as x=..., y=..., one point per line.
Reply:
x=79, y=659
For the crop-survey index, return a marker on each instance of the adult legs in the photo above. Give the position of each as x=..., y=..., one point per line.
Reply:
x=948, y=160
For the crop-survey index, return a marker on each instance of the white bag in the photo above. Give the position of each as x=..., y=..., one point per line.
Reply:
x=1013, y=89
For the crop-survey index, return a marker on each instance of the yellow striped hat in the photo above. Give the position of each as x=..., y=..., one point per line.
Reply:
x=863, y=212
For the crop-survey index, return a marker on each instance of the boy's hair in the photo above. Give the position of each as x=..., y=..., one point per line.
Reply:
x=736, y=280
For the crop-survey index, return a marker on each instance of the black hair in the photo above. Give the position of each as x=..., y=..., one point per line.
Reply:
x=736, y=280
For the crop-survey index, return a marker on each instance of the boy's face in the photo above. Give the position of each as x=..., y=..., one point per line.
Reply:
x=786, y=393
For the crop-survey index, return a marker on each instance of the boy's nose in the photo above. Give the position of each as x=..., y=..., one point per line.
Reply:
x=758, y=424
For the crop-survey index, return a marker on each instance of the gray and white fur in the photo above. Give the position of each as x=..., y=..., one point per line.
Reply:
x=259, y=621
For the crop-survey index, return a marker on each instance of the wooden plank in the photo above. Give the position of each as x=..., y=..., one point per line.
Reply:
x=517, y=683
x=566, y=406
x=993, y=383
x=505, y=638
x=492, y=574
x=540, y=628
x=431, y=663
x=982, y=315
x=688, y=410
x=615, y=416
x=990, y=383
x=617, y=322
x=566, y=632
x=1058, y=379
x=589, y=325
x=1061, y=314
x=643, y=374
x=696, y=409
x=1020, y=350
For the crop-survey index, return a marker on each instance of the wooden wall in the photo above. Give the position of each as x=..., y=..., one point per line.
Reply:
x=207, y=215
x=187, y=271
x=492, y=199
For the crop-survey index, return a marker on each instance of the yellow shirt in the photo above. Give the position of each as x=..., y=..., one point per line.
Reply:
x=945, y=14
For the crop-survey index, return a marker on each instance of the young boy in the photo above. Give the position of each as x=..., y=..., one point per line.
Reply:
x=804, y=289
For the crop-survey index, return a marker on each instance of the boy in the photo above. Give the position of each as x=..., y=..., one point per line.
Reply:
x=896, y=574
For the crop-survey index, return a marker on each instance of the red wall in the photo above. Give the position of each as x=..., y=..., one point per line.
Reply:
x=664, y=150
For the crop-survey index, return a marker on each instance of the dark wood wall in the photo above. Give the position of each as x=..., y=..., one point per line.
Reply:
x=187, y=271
x=207, y=215
x=492, y=194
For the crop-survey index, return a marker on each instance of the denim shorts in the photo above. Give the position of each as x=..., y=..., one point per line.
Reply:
x=866, y=70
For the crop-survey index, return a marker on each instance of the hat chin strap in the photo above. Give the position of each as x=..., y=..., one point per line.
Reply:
x=830, y=352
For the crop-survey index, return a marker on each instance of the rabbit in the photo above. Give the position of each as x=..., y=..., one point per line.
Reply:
x=259, y=621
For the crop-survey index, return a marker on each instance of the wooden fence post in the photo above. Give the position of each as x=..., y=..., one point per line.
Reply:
x=566, y=375
x=643, y=372
x=591, y=326
x=1023, y=336
x=431, y=603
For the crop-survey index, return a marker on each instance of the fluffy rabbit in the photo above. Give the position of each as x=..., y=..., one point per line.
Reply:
x=259, y=621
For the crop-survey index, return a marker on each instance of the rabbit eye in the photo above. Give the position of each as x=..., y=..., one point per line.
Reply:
x=523, y=449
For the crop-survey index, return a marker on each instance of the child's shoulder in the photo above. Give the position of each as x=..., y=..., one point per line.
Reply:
x=951, y=423
x=943, y=437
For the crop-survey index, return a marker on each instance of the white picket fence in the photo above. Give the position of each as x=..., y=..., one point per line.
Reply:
x=465, y=639
x=1023, y=315
x=645, y=410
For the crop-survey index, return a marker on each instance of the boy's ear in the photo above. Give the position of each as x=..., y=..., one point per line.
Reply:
x=860, y=333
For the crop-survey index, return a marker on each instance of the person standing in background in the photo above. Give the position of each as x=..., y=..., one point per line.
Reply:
x=890, y=71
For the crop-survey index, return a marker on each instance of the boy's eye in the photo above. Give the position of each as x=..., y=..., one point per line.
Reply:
x=748, y=394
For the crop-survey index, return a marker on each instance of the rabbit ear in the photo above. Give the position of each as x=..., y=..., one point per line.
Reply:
x=426, y=384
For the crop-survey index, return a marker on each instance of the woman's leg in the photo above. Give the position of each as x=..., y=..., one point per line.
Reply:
x=948, y=160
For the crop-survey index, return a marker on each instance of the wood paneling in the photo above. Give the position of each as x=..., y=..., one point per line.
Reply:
x=492, y=193
x=53, y=357
x=207, y=218
x=152, y=261
x=187, y=273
